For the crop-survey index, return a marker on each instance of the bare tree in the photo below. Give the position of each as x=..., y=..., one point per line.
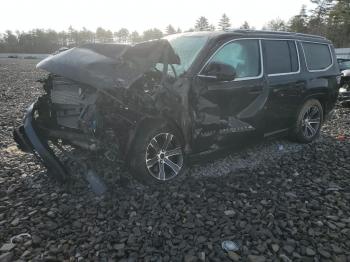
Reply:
x=135, y=37
x=276, y=25
x=122, y=35
x=151, y=34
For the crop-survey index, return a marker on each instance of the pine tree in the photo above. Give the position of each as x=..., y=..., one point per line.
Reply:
x=319, y=17
x=322, y=9
x=170, y=30
x=245, y=25
x=72, y=37
x=202, y=24
x=298, y=23
x=224, y=22
x=339, y=24
x=11, y=41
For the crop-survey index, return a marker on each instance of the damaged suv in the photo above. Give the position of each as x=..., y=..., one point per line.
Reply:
x=160, y=102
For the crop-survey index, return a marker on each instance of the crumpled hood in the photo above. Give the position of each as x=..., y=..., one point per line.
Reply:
x=109, y=65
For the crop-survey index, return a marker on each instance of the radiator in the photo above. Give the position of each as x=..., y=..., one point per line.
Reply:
x=69, y=100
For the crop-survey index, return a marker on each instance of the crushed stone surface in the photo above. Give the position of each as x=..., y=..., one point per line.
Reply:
x=278, y=200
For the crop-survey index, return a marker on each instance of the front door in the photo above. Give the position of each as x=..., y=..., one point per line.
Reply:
x=224, y=109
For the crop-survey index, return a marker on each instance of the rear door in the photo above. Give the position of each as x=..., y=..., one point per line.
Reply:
x=227, y=108
x=322, y=73
x=285, y=84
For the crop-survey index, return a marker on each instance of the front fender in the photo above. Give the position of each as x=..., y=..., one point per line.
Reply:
x=146, y=123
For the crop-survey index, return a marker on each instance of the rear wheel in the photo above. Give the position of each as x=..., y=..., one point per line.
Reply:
x=157, y=155
x=309, y=121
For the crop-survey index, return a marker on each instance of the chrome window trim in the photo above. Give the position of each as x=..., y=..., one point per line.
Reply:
x=298, y=55
x=319, y=43
x=262, y=58
x=241, y=78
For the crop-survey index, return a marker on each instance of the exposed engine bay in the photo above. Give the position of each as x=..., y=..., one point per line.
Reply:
x=344, y=91
x=73, y=104
x=88, y=117
x=79, y=106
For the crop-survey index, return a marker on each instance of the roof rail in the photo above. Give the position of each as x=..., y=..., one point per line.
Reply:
x=273, y=33
x=310, y=35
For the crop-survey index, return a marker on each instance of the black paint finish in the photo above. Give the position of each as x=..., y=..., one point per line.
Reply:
x=209, y=112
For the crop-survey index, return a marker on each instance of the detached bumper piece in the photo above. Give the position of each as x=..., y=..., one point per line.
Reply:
x=28, y=140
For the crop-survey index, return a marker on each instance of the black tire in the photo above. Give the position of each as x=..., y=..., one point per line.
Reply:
x=305, y=128
x=142, y=149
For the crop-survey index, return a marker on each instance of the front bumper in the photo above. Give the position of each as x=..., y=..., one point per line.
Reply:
x=29, y=140
x=344, y=96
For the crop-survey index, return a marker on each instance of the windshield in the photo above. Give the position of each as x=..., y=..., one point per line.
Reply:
x=187, y=48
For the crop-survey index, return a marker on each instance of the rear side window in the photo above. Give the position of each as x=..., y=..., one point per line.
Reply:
x=318, y=56
x=281, y=56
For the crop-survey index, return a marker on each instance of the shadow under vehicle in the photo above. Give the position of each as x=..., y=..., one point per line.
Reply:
x=160, y=102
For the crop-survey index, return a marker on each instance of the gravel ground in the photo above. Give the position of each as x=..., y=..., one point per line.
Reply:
x=278, y=200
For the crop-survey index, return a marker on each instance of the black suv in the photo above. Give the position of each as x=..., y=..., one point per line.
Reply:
x=158, y=102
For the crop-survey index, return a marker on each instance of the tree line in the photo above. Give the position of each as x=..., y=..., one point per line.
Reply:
x=329, y=18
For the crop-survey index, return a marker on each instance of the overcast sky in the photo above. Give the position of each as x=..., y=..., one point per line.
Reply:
x=139, y=15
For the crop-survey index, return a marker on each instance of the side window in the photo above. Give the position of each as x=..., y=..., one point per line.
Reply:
x=243, y=55
x=318, y=56
x=281, y=56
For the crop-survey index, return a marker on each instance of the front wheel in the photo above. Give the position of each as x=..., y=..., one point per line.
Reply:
x=157, y=155
x=308, y=123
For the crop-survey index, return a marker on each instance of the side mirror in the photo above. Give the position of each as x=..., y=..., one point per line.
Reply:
x=220, y=71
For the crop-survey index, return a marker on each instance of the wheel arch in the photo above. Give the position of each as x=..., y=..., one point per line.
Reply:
x=321, y=97
x=146, y=123
x=295, y=133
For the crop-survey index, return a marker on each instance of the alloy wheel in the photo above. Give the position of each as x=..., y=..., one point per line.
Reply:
x=311, y=121
x=164, y=156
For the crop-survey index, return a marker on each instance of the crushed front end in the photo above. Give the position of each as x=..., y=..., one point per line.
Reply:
x=344, y=91
x=70, y=113
x=95, y=98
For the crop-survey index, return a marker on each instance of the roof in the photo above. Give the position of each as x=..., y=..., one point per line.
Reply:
x=261, y=34
x=277, y=33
